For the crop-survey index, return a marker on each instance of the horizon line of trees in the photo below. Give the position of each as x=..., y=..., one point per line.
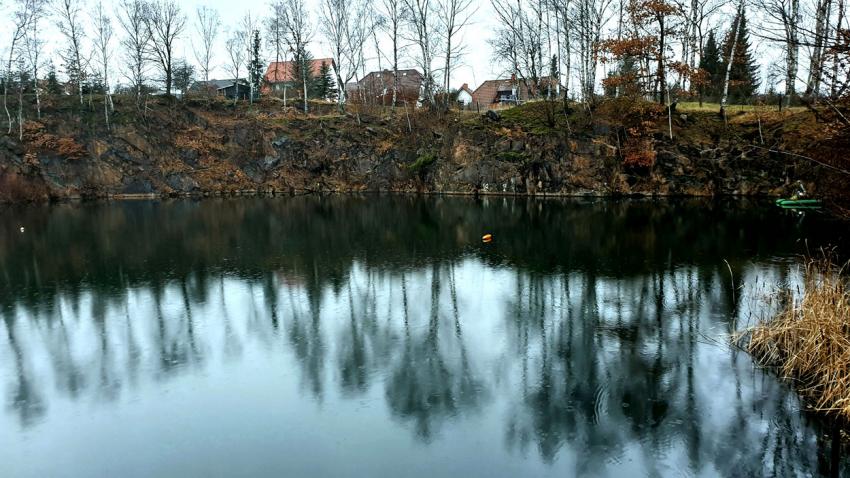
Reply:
x=656, y=49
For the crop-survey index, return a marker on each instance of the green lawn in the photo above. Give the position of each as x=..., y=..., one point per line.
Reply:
x=694, y=106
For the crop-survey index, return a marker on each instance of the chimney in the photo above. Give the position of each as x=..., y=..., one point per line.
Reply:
x=513, y=78
x=465, y=86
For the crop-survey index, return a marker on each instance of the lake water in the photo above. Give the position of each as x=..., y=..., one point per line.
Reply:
x=378, y=336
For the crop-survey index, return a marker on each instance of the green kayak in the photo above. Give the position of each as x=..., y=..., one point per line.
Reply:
x=799, y=203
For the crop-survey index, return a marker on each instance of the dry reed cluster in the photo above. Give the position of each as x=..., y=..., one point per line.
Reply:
x=809, y=340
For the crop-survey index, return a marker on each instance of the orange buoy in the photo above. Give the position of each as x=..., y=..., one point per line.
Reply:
x=487, y=238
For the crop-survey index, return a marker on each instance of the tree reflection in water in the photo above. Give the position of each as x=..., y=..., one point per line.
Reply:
x=592, y=331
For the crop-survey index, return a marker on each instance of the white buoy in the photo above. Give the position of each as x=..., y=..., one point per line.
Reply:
x=22, y=229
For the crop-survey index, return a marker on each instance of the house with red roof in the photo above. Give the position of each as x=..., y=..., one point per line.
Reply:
x=280, y=75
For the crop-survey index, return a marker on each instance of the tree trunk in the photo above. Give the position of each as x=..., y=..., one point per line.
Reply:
x=6, y=86
x=304, y=81
x=730, y=60
x=833, y=91
x=821, y=33
x=792, y=47
x=395, y=65
x=662, y=72
x=5, y=104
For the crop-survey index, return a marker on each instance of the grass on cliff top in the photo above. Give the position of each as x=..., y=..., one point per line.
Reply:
x=694, y=106
x=541, y=117
x=809, y=340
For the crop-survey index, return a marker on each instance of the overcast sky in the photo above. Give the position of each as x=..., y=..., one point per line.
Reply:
x=476, y=66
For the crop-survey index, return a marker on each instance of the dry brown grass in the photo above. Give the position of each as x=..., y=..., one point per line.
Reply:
x=809, y=340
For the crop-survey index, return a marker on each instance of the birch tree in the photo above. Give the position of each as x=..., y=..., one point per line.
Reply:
x=695, y=14
x=251, y=33
x=34, y=47
x=23, y=15
x=455, y=15
x=588, y=19
x=421, y=17
x=819, y=46
x=135, y=43
x=734, y=37
x=392, y=26
x=207, y=26
x=840, y=31
x=563, y=35
x=103, y=45
x=344, y=26
x=166, y=23
x=781, y=23
x=519, y=39
x=71, y=27
x=276, y=34
x=236, y=54
x=298, y=34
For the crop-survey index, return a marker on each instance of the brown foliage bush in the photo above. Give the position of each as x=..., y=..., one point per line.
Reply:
x=37, y=140
x=638, y=154
x=14, y=188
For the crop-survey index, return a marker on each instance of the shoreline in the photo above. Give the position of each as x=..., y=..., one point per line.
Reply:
x=296, y=192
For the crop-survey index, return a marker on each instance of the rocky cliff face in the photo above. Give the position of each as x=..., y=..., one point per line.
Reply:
x=179, y=149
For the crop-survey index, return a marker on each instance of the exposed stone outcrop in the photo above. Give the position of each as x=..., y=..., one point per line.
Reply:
x=181, y=150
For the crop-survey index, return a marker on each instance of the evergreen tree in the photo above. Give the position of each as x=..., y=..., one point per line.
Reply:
x=184, y=74
x=93, y=84
x=553, y=74
x=76, y=76
x=710, y=64
x=624, y=80
x=53, y=86
x=325, y=84
x=302, y=62
x=255, y=68
x=744, y=77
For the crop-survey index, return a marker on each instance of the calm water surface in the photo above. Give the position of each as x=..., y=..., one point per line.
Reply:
x=378, y=337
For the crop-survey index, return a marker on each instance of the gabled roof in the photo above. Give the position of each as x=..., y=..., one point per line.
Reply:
x=488, y=92
x=212, y=84
x=283, y=71
x=407, y=79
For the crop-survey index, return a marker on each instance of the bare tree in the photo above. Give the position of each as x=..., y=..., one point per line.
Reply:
x=166, y=23
x=34, y=46
x=251, y=33
x=345, y=27
x=422, y=24
x=276, y=34
x=132, y=17
x=781, y=23
x=207, y=25
x=840, y=30
x=236, y=54
x=696, y=14
x=519, y=39
x=392, y=25
x=589, y=18
x=71, y=28
x=299, y=32
x=455, y=15
x=819, y=44
x=25, y=12
x=103, y=45
x=563, y=35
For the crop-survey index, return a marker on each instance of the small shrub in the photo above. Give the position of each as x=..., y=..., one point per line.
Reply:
x=512, y=157
x=638, y=154
x=423, y=161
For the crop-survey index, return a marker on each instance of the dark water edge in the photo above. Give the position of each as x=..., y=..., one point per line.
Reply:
x=367, y=336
